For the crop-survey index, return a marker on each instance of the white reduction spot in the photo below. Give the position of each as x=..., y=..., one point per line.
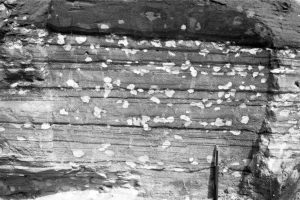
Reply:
x=237, y=174
x=98, y=112
x=107, y=79
x=198, y=104
x=60, y=39
x=225, y=87
x=166, y=144
x=80, y=39
x=103, y=26
x=125, y=104
x=183, y=27
x=155, y=100
x=104, y=146
x=72, y=83
x=209, y=158
x=121, y=21
x=131, y=87
x=67, y=47
x=130, y=164
x=85, y=99
x=170, y=43
x=235, y=132
x=21, y=138
x=219, y=122
x=169, y=93
x=104, y=65
x=185, y=118
x=143, y=159
x=191, y=91
x=245, y=120
x=78, y=153
x=177, y=137
x=2, y=129
x=193, y=72
x=109, y=153
x=45, y=126
x=63, y=112
x=88, y=59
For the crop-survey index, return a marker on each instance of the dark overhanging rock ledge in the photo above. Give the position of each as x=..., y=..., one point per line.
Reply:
x=255, y=23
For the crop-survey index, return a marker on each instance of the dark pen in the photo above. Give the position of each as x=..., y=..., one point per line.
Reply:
x=216, y=174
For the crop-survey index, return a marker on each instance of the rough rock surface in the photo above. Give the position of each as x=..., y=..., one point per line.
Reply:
x=127, y=99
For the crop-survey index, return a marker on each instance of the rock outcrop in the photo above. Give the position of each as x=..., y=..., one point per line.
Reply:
x=127, y=99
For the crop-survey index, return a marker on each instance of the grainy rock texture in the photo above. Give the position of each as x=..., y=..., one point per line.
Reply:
x=127, y=99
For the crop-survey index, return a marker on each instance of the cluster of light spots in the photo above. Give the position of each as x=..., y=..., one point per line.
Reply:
x=164, y=120
x=287, y=53
x=72, y=83
x=245, y=120
x=136, y=121
x=203, y=52
x=131, y=87
x=98, y=112
x=140, y=71
x=156, y=43
x=45, y=126
x=61, y=39
x=186, y=65
x=167, y=67
x=170, y=43
x=125, y=104
x=78, y=153
x=250, y=87
x=123, y=42
x=193, y=161
x=187, y=120
x=117, y=82
x=85, y=99
x=222, y=122
x=144, y=159
x=253, y=51
x=80, y=39
x=129, y=52
x=63, y=112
